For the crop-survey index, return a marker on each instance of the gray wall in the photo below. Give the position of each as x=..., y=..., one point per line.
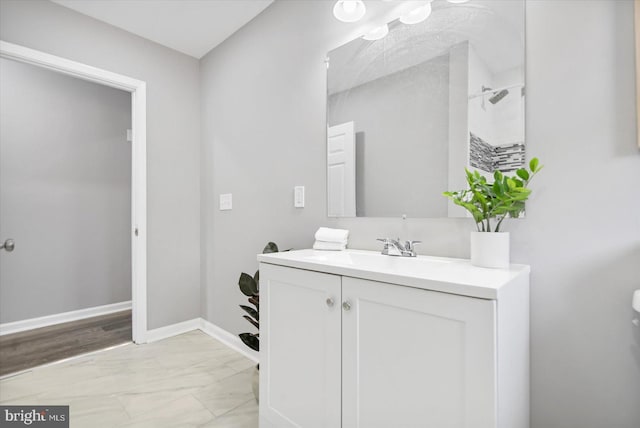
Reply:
x=65, y=192
x=173, y=138
x=264, y=131
x=402, y=125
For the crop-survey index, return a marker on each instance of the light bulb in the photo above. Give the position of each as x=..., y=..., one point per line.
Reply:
x=349, y=7
x=377, y=33
x=417, y=15
x=349, y=10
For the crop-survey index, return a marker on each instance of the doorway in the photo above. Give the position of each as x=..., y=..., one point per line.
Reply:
x=137, y=151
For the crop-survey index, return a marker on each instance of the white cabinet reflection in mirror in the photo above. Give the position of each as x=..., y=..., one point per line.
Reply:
x=340, y=349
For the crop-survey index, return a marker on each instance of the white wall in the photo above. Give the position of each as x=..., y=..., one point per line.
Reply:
x=458, y=123
x=583, y=241
x=500, y=123
x=173, y=136
x=509, y=112
x=65, y=192
x=481, y=120
x=264, y=93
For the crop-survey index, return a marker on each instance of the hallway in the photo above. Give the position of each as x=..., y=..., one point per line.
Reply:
x=32, y=348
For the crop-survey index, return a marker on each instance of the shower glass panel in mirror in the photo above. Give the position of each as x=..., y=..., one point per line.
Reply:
x=408, y=112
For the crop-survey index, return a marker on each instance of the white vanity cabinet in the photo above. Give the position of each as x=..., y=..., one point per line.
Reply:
x=300, y=355
x=412, y=357
x=342, y=349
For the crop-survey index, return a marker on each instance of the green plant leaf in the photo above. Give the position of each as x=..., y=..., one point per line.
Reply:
x=469, y=175
x=503, y=197
x=467, y=205
x=514, y=213
x=270, y=248
x=498, y=188
x=481, y=199
x=251, y=340
x=251, y=312
x=523, y=173
x=248, y=285
x=533, y=165
x=256, y=278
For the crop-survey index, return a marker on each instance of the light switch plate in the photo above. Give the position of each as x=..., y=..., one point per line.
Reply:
x=298, y=196
x=226, y=201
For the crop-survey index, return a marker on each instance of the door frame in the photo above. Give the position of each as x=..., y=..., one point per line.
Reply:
x=138, y=90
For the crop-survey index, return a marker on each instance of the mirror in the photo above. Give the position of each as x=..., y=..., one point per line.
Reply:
x=408, y=112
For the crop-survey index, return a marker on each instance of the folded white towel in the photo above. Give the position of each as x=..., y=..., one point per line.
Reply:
x=329, y=246
x=332, y=235
x=344, y=242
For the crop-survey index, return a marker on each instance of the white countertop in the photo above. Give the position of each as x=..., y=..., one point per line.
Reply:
x=456, y=276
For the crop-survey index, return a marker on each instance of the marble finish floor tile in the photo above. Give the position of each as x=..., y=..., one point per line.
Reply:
x=244, y=416
x=190, y=380
x=227, y=394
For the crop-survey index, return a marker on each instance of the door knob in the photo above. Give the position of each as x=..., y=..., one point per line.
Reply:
x=330, y=301
x=346, y=305
x=8, y=245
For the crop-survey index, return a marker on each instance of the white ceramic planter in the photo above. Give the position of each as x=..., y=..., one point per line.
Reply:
x=490, y=249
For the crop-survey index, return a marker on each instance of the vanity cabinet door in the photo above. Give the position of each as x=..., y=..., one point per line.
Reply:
x=416, y=358
x=300, y=382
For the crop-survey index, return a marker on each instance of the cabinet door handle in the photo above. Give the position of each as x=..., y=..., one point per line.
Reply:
x=330, y=301
x=8, y=245
x=346, y=305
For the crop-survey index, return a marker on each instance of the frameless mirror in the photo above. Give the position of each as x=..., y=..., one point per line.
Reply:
x=408, y=112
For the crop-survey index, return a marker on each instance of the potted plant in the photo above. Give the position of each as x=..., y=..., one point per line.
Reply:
x=250, y=287
x=490, y=204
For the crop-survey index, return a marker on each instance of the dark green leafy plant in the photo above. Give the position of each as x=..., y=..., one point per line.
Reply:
x=503, y=198
x=249, y=285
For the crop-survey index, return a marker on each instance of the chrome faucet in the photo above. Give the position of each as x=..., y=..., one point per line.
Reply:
x=393, y=247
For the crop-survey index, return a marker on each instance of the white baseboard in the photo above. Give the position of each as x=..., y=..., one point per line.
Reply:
x=30, y=324
x=229, y=339
x=172, y=330
x=218, y=333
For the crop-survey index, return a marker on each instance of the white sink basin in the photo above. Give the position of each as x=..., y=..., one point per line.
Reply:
x=373, y=260
x=449, y=275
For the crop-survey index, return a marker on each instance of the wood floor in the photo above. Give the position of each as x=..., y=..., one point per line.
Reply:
x=24, y=350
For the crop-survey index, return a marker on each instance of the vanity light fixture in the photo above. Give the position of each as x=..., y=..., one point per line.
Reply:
x=417, y=14
x=457, y=1
x=377, y=33
x=349, y=10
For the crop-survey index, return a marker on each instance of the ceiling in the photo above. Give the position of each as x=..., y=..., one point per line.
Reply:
x=193, y=27
x=493, y=28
